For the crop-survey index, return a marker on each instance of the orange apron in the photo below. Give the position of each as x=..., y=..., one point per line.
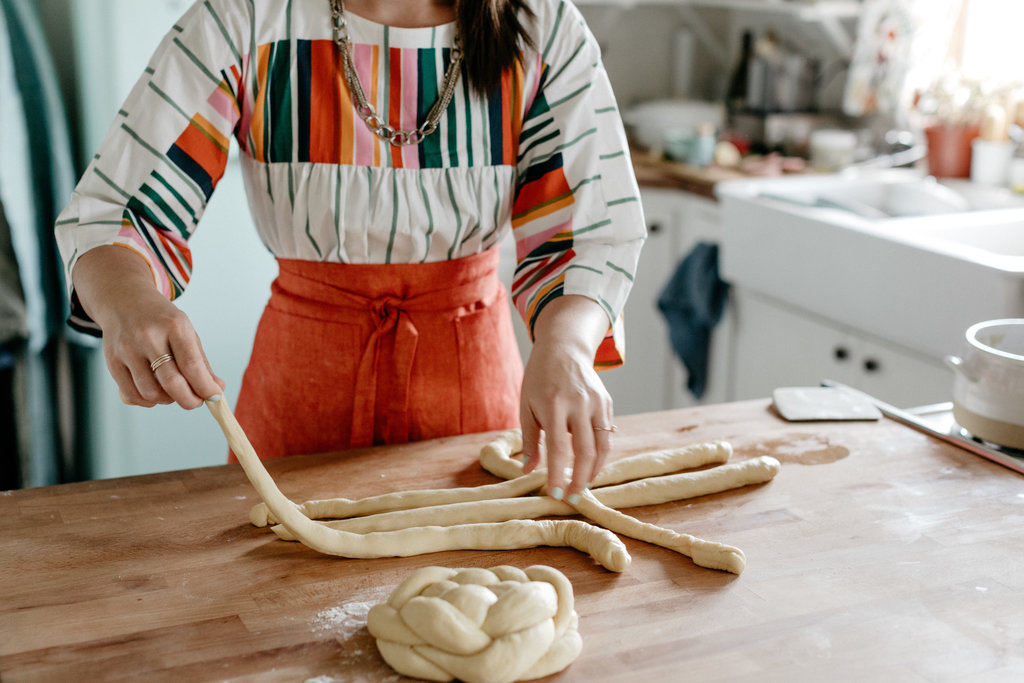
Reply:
x=348, y=356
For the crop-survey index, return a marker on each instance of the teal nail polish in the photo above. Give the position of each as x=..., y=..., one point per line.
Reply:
x=557, y=493
x=574, y=499
x=526, y=461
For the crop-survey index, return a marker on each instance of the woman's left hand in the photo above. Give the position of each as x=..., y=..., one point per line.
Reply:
x=565, y=410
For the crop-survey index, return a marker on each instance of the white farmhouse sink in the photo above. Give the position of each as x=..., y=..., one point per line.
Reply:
x=829, y=244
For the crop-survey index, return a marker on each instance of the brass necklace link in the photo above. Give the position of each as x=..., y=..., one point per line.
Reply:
x=377, y=124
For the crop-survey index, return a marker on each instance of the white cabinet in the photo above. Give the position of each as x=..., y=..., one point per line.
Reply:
x=777, y=345
x=653, y=378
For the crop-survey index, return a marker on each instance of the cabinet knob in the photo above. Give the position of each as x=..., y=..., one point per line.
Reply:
x=871, y=365
x=841, y=353
x=653, y=227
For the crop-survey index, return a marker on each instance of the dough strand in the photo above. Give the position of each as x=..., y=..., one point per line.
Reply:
x=496, y=458
x=652, y=491
x=602, y=545
x=704, y=553
x=340, y=508
x=500, y=516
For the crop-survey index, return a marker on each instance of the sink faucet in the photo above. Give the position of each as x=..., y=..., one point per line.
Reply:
x=899, y=149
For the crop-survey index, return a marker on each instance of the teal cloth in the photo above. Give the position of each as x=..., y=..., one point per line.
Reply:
x=692, y=303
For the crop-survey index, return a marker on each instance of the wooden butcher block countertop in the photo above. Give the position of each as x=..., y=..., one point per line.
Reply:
x=876, y=554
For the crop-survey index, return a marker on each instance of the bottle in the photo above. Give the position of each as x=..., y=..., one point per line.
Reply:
x=736, y=93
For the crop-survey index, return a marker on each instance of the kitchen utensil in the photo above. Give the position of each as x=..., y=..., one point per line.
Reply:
x=953, y=436
x=988, y=387
x=799, y=404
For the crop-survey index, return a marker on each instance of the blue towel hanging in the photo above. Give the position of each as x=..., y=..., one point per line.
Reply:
x=693, y=302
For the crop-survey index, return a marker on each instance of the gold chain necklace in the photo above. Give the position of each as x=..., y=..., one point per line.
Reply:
x=373, y=120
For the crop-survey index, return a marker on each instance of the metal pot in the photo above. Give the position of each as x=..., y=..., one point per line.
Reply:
x=988, y=388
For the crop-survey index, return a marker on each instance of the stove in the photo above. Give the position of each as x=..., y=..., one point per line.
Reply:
x=938, y=419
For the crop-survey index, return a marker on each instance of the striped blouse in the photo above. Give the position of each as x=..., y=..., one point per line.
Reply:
x=544, y=157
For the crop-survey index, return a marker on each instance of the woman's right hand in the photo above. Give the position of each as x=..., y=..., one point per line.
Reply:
x=116, y=289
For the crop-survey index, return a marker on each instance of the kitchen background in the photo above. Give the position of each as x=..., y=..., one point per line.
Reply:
x=723, y=89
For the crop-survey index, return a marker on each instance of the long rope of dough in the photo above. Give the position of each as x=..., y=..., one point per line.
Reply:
x=327, y=508
x=652, y=491
x=704, y=553
x=496, y=457
x=599, y=543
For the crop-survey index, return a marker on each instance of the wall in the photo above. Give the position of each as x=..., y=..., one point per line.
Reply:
x=637, y=45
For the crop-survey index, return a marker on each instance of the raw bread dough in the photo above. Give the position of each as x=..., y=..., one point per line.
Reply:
x=260, y=515
x=652, y=491
x=474, y=518
x=496, y=458
x=704, y=553
x=595, y=506
x=600, y=544
x=494, y=625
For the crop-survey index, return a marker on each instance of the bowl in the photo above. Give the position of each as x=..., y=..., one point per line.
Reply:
x=988, y=385
x=649, y=122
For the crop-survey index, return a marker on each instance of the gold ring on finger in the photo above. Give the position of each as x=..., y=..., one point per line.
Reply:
x=157, y=362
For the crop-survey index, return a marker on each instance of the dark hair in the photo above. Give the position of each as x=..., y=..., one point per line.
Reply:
x=492, y=37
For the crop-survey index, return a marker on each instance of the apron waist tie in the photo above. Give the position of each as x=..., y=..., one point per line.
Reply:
x=389, y=317
x=471, y=282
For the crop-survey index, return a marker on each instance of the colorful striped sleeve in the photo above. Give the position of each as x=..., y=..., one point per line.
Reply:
x=161, y=159
x=576, y=215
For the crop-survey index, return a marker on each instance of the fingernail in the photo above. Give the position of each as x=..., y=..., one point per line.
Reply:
x=587, y=487
x=557, y=493
x=574, y=499
x=526, y=461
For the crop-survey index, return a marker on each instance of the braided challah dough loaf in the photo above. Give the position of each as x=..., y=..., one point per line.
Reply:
x=494, y=625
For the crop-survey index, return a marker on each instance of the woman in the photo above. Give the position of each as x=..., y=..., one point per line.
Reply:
x=387, y=147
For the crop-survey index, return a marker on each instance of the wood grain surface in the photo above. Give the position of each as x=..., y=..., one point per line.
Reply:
x=652, y=171
x=876, y=554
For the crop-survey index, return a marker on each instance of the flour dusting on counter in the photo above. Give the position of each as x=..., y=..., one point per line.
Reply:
x=343, y=620
x=357, y=649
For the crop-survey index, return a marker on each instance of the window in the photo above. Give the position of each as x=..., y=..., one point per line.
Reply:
x=991, y=47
